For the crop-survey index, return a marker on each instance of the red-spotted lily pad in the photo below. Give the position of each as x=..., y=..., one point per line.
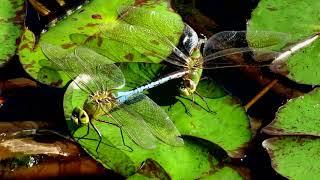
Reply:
x=84, y=24
x=11, y=19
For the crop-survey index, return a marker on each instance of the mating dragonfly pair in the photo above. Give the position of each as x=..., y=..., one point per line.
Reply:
x=132, y=111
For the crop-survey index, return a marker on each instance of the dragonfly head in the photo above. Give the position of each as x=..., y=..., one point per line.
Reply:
x=188, y=87
x=79, y=116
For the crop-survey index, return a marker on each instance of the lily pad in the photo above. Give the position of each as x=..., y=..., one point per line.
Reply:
x=294, y=157
x=114, y=155
x=11, y=19
x=225, y=172
x=195, y=120
x=299, y=116
x=111, y=151
x=138, y=34
x=85, y=24
x=300, y=19
x=227, y=125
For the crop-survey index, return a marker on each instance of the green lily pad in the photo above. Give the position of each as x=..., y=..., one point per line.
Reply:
x=195, y=120
x=300, y=19
x=299, y=116
x=138, y=35
x=294, y=157
x=225, y=172
x=114, y=155
x=81, y=21
x=84, y=24
x=192, y=119
x=11, y=12
x=227, y=125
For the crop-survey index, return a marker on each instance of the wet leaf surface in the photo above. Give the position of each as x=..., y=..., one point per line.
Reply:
x=300, y=19
x=294, y=157
x=84, y=25
x=11, y=12
x=201, y=123
x=299, y=116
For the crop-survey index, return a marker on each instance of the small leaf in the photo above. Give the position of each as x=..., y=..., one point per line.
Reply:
x=81, y=25
x=300, y=19
x=10, y=27
x=227, y=125
x=294, y=157
x=299, y=116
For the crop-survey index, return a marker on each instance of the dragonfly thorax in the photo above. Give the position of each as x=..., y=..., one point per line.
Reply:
x=99, y=104
x=102, y=97
x=191, y=80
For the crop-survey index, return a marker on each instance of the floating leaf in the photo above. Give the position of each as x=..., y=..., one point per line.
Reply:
x=210, y=126
x=137, y=36
x=84, y=24
x=81, y=21
x=195, y=120
x=294, y=157
x=113, y=154
x=223, y=173
x=10, y=27
x=299, y=116
x=227, y=125
x=300, y=19
x=226, y=173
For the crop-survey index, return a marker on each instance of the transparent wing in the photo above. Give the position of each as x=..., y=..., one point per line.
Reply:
x=106, y=71
x=145, y=40
x=134, y=126
x=240, y=39
x=94, y=75
x=230, y=43
x=157, y=120
x=145, y=36
x=159, y=23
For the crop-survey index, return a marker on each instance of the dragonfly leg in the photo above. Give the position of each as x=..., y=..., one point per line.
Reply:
x=121, y=132
x=187, y=111
x=99, y=134
x=88, y=129
x=202, y=98
x=195, y=103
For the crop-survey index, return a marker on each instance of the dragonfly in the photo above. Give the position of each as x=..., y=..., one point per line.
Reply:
x=101, y=80
x=197, y=53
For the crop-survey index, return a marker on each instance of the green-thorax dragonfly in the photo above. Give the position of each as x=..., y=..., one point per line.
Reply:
x=190, y=58
x=101, y=80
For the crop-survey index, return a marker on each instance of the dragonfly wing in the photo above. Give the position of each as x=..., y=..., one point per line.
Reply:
x=93, y=77
x=220, y=59
x=190, y=39
x=228, y=43
x=134, y=126
x=145, y=40
x=105, y=70
x=156, y=23
x=143, y=36
x=157, y=120
x=238, y=39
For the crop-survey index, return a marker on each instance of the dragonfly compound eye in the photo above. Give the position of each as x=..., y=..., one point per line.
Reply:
x=188, y=87
x=79, y=116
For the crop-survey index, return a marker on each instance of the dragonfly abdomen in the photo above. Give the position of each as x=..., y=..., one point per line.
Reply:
x=123, y=96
